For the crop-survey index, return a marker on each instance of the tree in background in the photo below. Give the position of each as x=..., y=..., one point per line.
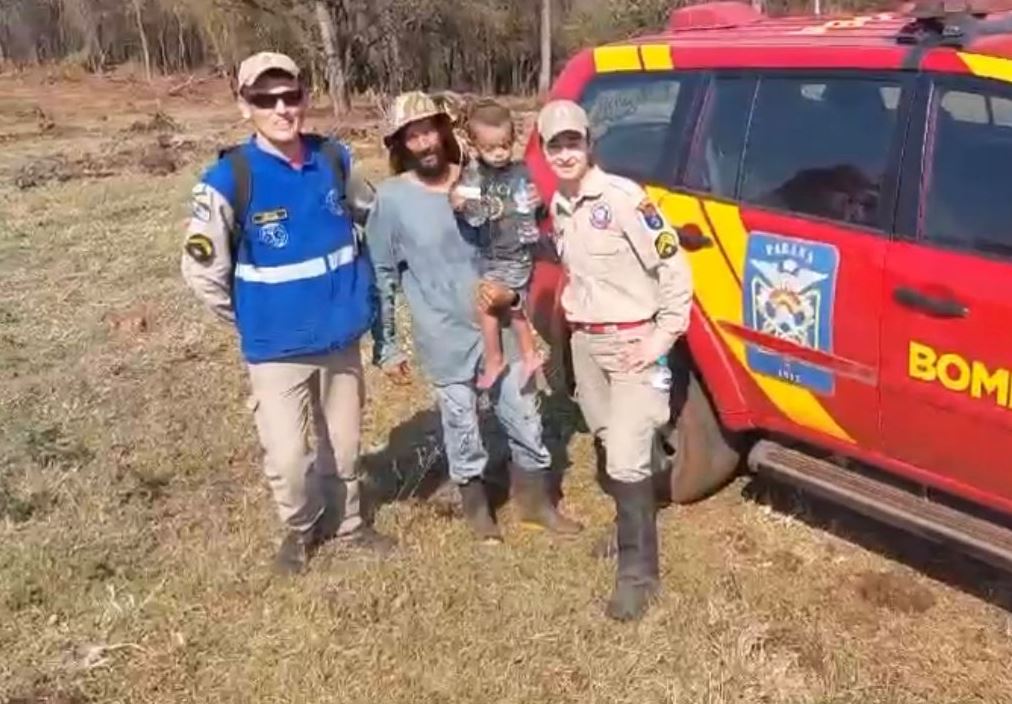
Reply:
x=346, y=46
x=545, y=79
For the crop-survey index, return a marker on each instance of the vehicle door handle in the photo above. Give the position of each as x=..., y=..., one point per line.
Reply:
x=939, y=307
x=692, y=239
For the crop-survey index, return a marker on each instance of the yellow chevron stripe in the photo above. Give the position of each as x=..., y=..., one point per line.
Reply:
x=988, y=66
x=656, y=57
x=609, y=59
x=726, y=218
x=719, y=293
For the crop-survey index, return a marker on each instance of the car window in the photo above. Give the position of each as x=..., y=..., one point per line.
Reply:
x=821, y=147
x=716, y=154
x=630, y=119
x=966, y=192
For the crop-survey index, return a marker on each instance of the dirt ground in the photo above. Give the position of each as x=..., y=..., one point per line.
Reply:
x=136, y=530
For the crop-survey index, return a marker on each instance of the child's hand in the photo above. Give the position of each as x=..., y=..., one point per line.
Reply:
x=457, y=200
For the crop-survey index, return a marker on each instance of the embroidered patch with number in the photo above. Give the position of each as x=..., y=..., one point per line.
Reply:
x=274, y=235
x=666, y=244
x=653, y=219
x=269, y=216
x=200, y=248
x=600, y=216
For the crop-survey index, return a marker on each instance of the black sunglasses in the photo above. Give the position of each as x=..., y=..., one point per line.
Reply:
x=267, y=101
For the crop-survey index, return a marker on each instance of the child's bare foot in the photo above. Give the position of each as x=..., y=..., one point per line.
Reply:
x=532, y=363
x=491, y=373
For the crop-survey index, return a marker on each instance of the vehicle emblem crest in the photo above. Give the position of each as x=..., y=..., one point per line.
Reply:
x=789, y=289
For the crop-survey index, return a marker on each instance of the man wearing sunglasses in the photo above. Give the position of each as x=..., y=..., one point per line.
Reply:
x=271, y=247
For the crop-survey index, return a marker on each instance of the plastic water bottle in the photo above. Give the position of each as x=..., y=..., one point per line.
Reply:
x=661, y=378
x=469, y=188
x=527, y=225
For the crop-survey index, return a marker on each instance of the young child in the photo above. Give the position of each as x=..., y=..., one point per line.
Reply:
x=507, y=234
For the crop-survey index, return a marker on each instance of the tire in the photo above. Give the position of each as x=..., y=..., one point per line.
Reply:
x=706, y=456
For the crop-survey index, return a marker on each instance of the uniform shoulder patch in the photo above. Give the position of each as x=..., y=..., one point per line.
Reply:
x=200, y=248
x=666, y=244
x=651, y=218
x=200, y=203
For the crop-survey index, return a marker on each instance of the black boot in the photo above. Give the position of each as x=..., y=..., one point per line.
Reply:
x=536, y=507
x=295, y=552
x=637, y=579
x=474, y=502
x=606, y=546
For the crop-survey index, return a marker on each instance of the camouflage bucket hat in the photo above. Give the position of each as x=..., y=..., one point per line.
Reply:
x=408, y=108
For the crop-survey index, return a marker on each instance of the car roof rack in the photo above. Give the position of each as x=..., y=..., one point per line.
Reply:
x=952, y=23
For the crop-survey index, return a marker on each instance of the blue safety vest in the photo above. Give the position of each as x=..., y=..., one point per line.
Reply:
x=302, y=284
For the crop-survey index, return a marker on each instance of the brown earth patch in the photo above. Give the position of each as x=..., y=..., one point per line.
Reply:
x=894, y=591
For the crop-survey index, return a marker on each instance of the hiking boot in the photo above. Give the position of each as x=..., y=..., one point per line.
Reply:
x=476, y=511
x=536, y=507
x=368, y=539
x=295, y=552
x=636, y=580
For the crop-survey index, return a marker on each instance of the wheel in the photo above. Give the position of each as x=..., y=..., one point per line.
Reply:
x=706, y=456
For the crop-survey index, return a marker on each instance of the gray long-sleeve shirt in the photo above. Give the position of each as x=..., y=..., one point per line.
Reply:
x=418, y=244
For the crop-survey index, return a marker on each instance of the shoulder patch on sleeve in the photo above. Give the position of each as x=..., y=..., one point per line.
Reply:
x=200, y=248
x=666, y=244
x=200, y=203
x=651, y=217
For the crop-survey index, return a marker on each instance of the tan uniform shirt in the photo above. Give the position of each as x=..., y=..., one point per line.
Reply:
x=622, y=257
x=214, y=219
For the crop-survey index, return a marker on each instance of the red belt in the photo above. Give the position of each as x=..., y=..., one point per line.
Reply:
x=599, y=328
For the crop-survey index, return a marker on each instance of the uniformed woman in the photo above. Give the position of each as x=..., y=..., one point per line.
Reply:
x=627, y=301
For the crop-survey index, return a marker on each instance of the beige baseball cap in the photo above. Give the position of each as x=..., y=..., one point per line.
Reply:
x=407, y=108
x=560, y=116
x=257, y=65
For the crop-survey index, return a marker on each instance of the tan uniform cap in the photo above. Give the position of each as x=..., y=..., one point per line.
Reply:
x=257, y=65
x=561, y=116
x=413, y=106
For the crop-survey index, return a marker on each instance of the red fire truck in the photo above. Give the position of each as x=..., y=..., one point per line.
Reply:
x=843, y=187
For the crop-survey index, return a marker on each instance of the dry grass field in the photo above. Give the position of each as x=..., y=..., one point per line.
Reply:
x=136, y=532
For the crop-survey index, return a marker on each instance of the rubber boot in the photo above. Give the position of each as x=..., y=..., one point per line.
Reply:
x=474, y=502
x=536, y=507
x=296, y=550
x=637, y=578
x=606, y=546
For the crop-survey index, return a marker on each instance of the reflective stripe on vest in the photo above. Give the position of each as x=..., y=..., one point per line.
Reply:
x=308, y=269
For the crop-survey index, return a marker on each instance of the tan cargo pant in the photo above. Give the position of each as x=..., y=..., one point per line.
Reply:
x=621, y=408
x=326, y=392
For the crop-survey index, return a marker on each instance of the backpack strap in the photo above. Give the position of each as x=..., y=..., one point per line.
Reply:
x=243, y=187
x=335, y=156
